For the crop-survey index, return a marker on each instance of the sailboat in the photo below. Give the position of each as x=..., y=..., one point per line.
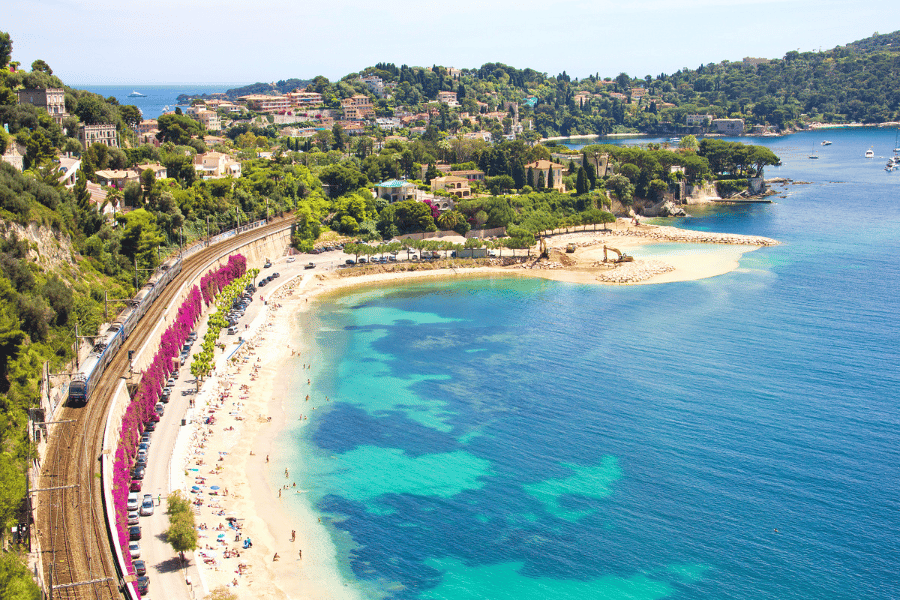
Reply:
x=813, y=154
x=897, y=142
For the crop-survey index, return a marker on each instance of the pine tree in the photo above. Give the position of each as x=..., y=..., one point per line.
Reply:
x=550, y=176
x=581, y=183
x=541, y=179
x=530, y=177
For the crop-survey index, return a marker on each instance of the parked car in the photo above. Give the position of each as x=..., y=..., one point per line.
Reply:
x=290, y=259
x=140, y=568
x=134, y=532
x=133, y=502
x=309, y=265
x=267, y=265
x=135, y=485
x=232, y=330
x=151, y=425
x=134, y=549
x=143, y=585
x=350, y=261
x=147, y=506
x=141, y=461
x=138, y=473
x=145, y=439
x=363, y=259
x=160, y=408
x=134, y=518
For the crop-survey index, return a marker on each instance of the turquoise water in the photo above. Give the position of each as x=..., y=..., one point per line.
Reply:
x=734, y=437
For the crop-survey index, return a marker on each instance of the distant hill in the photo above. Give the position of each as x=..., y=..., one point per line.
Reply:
x=877, y=43
x=279, y=87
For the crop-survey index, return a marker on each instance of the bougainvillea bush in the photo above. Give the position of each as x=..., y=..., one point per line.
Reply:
x=153, y=380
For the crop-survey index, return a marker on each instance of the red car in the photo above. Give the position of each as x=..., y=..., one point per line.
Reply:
x=135, y=485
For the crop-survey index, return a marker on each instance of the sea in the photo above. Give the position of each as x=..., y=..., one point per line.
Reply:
x=156, y=98
x=728, y=438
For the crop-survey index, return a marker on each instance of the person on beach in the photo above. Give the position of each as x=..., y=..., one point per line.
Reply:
x=267, y=459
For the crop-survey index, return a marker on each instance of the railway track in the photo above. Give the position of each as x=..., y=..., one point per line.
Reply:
x=76, y=554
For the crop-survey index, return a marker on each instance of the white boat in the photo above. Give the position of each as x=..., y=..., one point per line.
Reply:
x=136, y=94
x=870, y=153
x=826, y=143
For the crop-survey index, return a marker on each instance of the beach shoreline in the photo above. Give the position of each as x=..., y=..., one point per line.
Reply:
x=253, y=387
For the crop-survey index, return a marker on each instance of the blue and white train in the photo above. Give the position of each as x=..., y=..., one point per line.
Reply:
x=108, y=343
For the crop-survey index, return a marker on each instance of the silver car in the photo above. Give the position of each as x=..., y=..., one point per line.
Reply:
x=147, y=506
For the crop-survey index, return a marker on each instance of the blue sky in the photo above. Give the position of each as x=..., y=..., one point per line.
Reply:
x=228, y=41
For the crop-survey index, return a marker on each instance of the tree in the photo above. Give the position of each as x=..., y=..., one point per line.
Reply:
x=657, y=188
x=40, y=66
x=622, y=187
x=131, y=115
x=181, y=534
x=16, y=582
x=689, y=142
x=342, y=179
x=6, y=47
x=550, y=176
x=148, y=178
x=340, y=137
x=581, y=183
x=501, y=184
x=177, y=129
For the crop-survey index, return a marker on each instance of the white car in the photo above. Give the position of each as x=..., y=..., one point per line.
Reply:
x=147, y=507
x=135, y=549
x=291, y=259
x=134, y=502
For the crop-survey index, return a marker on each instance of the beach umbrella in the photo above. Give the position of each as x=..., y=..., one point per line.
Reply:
x=214, y=487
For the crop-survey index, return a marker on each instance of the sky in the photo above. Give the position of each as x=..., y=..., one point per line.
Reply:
x=97, y=42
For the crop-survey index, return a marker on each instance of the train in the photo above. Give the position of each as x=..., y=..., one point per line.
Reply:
x=107, y=343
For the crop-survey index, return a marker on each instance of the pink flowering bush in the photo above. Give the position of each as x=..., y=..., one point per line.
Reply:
x=213, y=282
x=435, y=211
x=153, y=380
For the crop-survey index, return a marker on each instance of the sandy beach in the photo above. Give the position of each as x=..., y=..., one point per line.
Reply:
x=241, y=410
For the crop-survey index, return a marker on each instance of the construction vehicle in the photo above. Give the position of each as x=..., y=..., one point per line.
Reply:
x=570, y=248
x=622, y=258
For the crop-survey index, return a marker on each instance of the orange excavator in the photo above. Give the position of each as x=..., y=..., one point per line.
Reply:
x=622, y=257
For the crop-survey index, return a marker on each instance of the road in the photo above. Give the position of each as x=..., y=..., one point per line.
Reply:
x=75, y=546
x=168, y=577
